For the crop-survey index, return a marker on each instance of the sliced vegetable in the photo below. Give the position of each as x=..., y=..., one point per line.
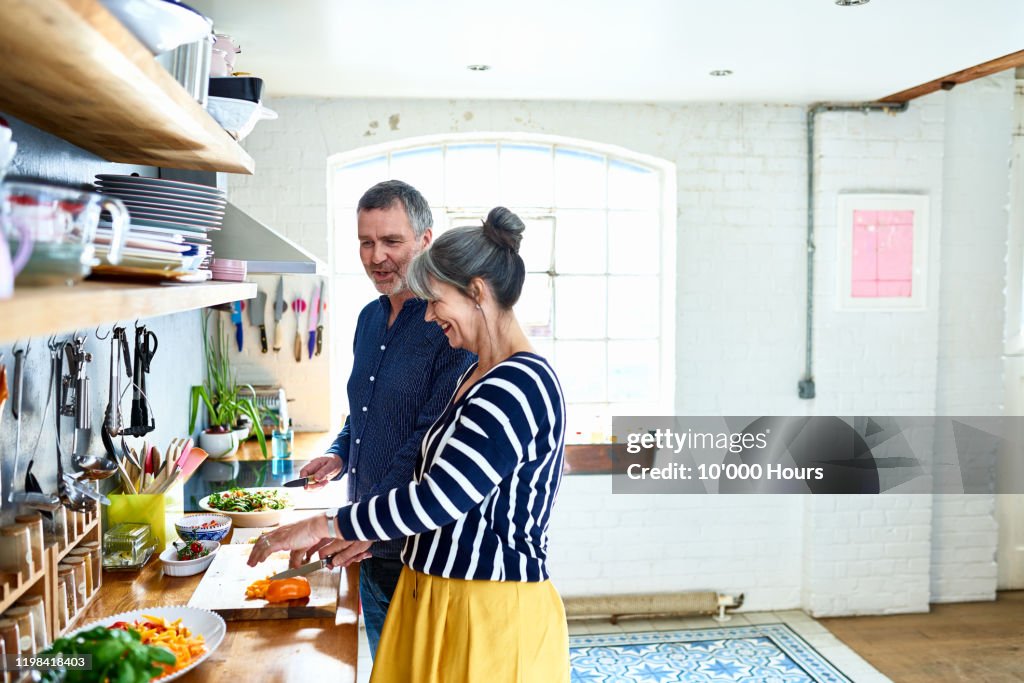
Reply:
x=282, y=590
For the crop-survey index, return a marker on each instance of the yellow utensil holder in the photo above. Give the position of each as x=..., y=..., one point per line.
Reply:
x=142, y=508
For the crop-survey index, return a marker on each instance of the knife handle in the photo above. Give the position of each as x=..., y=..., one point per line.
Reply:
x=239, y=335
x=312, y=342
x=298, y=347
x=278, y=341
x=319, y=339
x=263, y=338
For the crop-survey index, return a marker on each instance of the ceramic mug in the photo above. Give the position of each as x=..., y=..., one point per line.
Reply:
x=62, y=223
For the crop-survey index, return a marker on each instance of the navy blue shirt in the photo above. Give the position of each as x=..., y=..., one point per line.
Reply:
x=402, y=378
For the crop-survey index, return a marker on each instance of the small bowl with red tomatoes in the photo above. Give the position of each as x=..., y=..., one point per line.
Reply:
x=186, y=558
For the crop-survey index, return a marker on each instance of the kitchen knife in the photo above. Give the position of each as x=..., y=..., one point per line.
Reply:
x=256, y=310
x=236, y=318
x=320, y=325
x=314, y=317
x=279, y=309
x=307, y=568
x=295, y=483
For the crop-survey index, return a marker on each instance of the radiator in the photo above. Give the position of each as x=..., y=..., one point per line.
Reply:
x=643, y=605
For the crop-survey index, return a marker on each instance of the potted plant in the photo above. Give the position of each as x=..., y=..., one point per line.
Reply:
x=222, y=395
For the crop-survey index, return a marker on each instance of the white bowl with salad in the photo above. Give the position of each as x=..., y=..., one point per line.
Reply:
x=247, y=508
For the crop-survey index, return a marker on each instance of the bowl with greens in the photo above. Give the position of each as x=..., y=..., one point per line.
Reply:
x=252, y=507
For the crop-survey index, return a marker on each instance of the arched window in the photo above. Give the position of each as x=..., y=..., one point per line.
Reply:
x=599, y=250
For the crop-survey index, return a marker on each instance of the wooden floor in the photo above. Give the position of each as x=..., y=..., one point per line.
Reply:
x=978, y=642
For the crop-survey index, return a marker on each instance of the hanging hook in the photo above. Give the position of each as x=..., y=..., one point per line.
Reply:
x=103, y=338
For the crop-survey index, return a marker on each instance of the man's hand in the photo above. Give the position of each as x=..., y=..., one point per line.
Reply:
x=298, y=558
x=345, y=552
x=320, y=470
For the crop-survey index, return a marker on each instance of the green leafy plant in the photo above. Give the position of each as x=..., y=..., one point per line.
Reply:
x=221, y=394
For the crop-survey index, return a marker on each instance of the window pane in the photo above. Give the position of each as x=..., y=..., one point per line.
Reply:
x=580, y=243
x=579, y=180
x=527, y=177
x=352, y=180
x=633, y=370
x=580, y=307
x=588, y=423
x=634, y=245
x=581, y=370
x=471, y=175
x=346, y=242
x=534, y=306
x=423, y=168
x=631, y=186
x=537, y=245
x=440, y=221
x=633, y=307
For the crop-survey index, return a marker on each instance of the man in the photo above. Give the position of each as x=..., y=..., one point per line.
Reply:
x=403, y=375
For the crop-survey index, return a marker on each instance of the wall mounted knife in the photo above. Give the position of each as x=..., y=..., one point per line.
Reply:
x=279, y=309
x=257, y=308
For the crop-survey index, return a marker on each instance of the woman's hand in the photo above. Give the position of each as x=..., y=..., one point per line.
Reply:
x=297, y=536
x=345, y=552
x=320, y=470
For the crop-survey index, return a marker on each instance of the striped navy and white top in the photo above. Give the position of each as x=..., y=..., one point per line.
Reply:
x=487, y=475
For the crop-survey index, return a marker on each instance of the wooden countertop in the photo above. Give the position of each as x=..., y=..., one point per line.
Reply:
x=263, y=650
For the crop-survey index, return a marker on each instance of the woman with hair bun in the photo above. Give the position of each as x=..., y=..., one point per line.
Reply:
x=474, y=603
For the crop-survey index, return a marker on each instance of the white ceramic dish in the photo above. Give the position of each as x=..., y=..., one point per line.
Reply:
x=199, y=621
x=251, y=519
x=168, y=216
x=161, y=195
x=159, y=223
x=162, y=183
x=159, y=25
x=175, y=567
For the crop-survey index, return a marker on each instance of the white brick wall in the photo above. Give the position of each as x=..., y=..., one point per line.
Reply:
x=740, y=339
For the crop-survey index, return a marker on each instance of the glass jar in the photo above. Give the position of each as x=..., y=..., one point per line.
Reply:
x=66, y=576
x=35, y=603
x=10, y=635
x=60, y=526
x=26, y=629
x=96, y=558
x=16, y=550
x=77, y=564
x=34, y=522
x=62, y=617
x=90, y=580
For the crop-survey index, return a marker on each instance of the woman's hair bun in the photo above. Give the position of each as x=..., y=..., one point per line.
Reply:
x=504, y=228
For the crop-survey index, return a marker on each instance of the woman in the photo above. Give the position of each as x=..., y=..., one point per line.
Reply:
x=473, y=602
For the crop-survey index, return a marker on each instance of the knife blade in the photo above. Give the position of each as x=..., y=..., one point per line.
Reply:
x=279, y=308
x=236, y=318
x=294, y=483
x=302, y=570
x=314, y=317
x=257, y=308
x=320, y=325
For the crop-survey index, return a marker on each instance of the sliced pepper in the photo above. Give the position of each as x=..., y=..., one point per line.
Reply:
x=282, y=590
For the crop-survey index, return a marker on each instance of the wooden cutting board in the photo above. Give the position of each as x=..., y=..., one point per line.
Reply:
x=222, y=588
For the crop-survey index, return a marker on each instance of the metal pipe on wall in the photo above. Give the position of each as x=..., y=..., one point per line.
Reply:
x=805, y=387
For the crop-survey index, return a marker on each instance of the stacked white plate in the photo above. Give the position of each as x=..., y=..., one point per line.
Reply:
x=170, y=221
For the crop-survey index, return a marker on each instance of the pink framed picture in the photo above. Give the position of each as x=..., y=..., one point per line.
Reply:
x=883, y=246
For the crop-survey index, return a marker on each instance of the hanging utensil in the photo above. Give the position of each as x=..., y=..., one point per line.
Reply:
x=320, y=325
x=112, y=419
x=236, y=318
x=44, y=502
x=146, y=345
x=279, y=310
x=70, y=495
x=314, y=317
x=299, y=306
x=257, y=308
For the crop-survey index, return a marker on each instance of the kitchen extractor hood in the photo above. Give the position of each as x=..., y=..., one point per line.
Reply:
x=243, y=237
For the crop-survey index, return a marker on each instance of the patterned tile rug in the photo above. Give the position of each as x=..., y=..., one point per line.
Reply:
x=768, y=653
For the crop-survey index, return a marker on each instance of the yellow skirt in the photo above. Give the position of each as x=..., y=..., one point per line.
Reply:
x=442, y=630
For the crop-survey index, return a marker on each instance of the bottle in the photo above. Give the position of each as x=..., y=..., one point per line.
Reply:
x=283, y=440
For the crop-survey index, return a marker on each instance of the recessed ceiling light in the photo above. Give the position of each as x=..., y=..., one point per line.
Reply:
x=479, y=67
x=851, y=3
x=721, y=72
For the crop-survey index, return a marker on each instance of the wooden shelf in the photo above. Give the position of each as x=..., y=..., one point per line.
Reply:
x=55, y=310
x=72, y=69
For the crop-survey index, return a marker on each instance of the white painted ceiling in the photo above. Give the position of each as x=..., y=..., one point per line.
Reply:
x=792, y=51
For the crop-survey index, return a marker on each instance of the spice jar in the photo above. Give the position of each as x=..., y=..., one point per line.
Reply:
x=26, y=629
x=35, y=603
x=15, y=549
x=10, y=635
x=34, y=521
x=96, y=558
x=84, y=553
x=62, y=617
x=66, y=576
x=4, y=675
x=77, y=564
x=60, y=526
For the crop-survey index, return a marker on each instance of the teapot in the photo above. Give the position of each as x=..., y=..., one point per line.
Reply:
x=61, y=222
